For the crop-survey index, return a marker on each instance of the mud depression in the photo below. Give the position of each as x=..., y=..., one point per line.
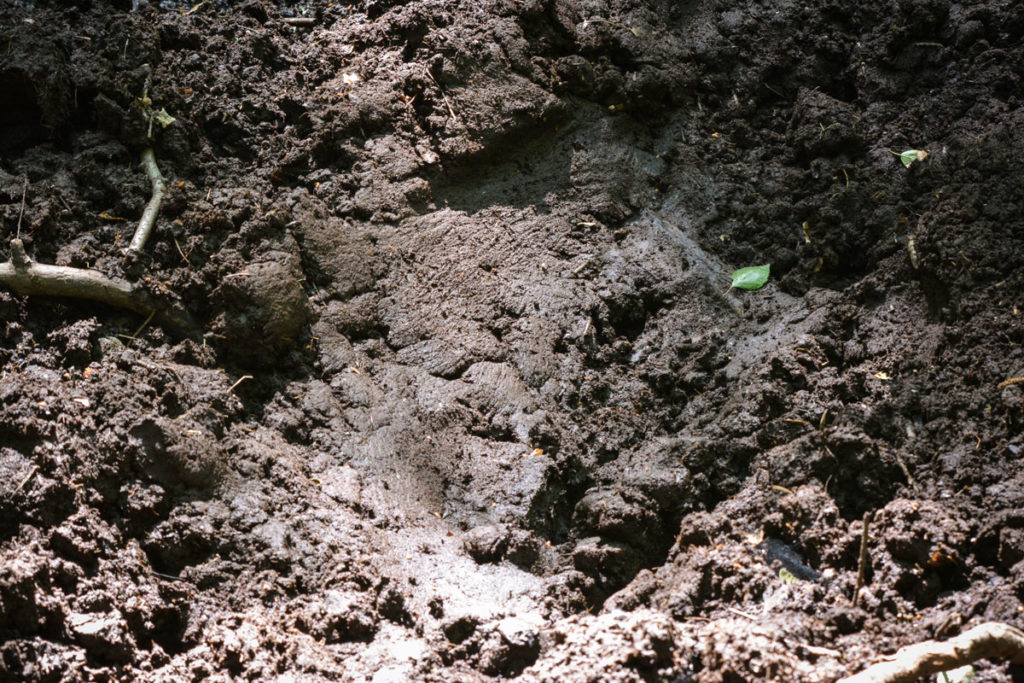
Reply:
x=464, y=392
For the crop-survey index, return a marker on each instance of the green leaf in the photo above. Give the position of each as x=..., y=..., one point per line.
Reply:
x=912, y=155
x=964, y=674
x=163, y=118
x=787, y=576
x=753, y=277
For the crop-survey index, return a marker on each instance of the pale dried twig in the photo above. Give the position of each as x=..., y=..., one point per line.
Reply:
x=862, y=560
x=148, y=219
x=451, y=110
x=240, y=380
x=28, y=278
x=21, y=213
x=991, y=640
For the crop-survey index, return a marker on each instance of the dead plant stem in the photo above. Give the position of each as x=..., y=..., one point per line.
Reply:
x=991, y=640
x=141, y=327
x=28, y=278
x=21, y=212
x=239, y=381
x=35, y=468
x=862, y=560
x=148, y=219
x=451, y=110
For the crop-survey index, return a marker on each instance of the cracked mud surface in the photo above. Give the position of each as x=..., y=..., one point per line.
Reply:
x=472, y=399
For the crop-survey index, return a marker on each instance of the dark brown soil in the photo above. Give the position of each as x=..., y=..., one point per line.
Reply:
x=471, y=398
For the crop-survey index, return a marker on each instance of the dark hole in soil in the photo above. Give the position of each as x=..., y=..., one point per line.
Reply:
x=551, y=514
x=84, y=108
x=20, y=117
x=168, y=631
x=628, y=318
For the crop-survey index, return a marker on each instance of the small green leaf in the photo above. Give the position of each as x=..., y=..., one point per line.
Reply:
x=964, y=674
x=753, y=277
x=912, y=155
x=163, y=118
x=787, y=576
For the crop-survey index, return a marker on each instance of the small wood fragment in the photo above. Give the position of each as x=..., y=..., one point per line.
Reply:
x=28, y=278
x=148, y=219
x=862, y=561
x=991, y=640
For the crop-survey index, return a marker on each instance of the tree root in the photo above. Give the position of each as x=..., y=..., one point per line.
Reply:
x=991, y=640
x=153, y=208
x=28, y=278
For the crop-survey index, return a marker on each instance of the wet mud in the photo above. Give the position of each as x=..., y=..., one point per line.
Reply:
x=470, y=396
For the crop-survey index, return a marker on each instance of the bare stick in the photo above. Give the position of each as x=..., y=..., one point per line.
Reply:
x=447, y=103
x=240, y=380
x=299, y=21
x=181, y=253
x=862, y=561
x=141, y=327
x=153, y=208
x=24, y=481
x=28, y=278
x=991, y=640
x=21, y=213
x=195, y=8
x=906, y=470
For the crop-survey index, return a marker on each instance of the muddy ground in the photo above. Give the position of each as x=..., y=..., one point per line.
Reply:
x=468, y=396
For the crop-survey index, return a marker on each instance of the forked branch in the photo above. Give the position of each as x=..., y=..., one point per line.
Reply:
x=28, y=278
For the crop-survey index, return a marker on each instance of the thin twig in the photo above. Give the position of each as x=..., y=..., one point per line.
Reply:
x=28, y=278
x=35, y=468
x=148, y=219
x=21, y=213
x=183, y=257
x=1009, y=382
x=906, y=470
x=141, y=327
x=862, y=561
x=195, y=8
x=823, y=651
x=741, y=613
x=171, y=577
x=240, y=380
x=449, y=104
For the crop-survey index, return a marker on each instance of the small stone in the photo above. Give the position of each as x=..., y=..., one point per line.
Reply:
x=102, y=634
